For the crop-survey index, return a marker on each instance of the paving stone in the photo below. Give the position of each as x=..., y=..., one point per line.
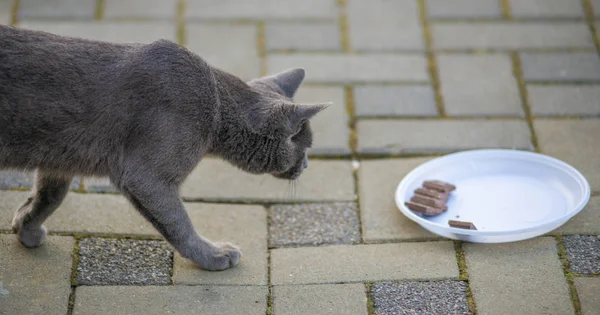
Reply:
x=330, y=127
x=431, y=297
x=154, y=9
x=516, y=35
x=558, y=100
x=262, y=9
x=238, y=54
x=35, y=280
x=334, y=68
x=518, y=278
x=387, y=100
x=80, y=9
x=546, y=8
x=5, y=12
x=215, y=179
x=479, y=85
x=560, y=67
x=359, y=263
x=155, y=300
x=587, y=290
x=83, y=213
x=107, y=261
x=122, y=32
x=16, y=179
x=99, y=184
x=460, y=9
x=313, y=224
x=596, y=7
x=302, y=36
x=245, y=226
x=583, y=253
x=380, y=25
x=585, y=222
x=574, y=142
x=380, y=217
x=331, y=299
x=423, y=136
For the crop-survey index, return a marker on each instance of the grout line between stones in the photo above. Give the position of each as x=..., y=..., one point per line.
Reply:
x=343, y=24
x=464, y=275
x=261, y=46
x=14, y=14
x=99, y=12
x=370, y=302
x=506, y=11
x=73, y=278
x=431, y=59
x=518, y=74
x=562, y=255
x=180, y=20
x=589, y=16
x=269, y=284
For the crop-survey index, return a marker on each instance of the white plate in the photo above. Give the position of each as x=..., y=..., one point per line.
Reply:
x=509, y=195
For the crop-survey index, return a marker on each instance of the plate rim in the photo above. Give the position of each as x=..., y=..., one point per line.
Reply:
x=512, y=152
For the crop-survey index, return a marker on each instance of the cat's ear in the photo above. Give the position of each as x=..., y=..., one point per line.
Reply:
x=300, y=113
x=288, y=81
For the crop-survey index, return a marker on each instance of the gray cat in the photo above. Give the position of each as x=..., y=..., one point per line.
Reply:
x=144, y=115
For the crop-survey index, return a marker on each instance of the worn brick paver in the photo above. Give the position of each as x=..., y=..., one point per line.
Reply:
x=124, y=32
x=156, y=300
x=68, y=9
x=558, y=100
x=244, y=226
x=561, y=67
x=524, y=278
x=380, y=25
x=331, y=299
x=381, y=219
x=506, y=36
x=587, y=291
x=546, y=8
x=469, y=89
x=412, y=297
x=357, y=263
x=561, y=138
x=462, y=9
x=408, y=79
x=153, y=9
x=440, y=136
x=390, y=100
x=321, y=181
x=35, y=281
x=302, y=36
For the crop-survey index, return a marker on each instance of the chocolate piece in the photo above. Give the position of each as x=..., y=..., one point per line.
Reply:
x=431, y=202
x=423, y=209
x=432, y=194
x=462, y=225
x=438, y=185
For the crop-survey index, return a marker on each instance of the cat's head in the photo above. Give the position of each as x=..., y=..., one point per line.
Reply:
x=279, y=132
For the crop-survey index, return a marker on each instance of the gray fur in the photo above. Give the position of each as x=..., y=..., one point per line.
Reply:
x=144, y=115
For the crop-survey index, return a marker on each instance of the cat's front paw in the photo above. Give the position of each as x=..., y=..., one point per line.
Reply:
x=227, y=256
x=32, y=238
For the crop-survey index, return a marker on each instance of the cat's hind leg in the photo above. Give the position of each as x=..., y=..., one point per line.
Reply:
x=159, y=203
x=48, y=193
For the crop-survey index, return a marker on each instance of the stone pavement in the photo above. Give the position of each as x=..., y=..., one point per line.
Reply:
x=521, y=74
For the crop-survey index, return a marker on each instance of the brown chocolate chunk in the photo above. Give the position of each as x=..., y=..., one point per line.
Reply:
x=432, y=194
x=431, y=202
x=462, y=225
x=423, y=209
x=438, y=185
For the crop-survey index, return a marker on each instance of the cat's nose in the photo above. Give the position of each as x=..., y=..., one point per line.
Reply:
x=305, y=162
